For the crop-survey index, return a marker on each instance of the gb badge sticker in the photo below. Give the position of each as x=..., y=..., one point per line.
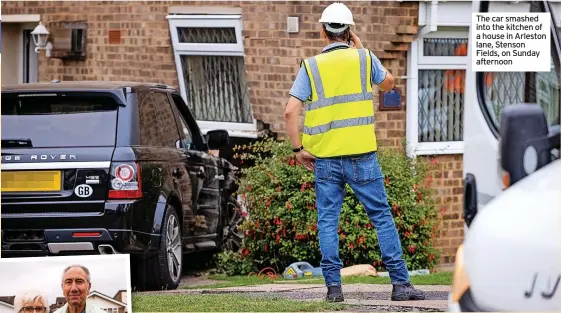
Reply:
x=83, y=191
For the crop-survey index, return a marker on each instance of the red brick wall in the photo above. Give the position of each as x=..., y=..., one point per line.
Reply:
x=272, y=60
x=272, y=55
x=446, y=177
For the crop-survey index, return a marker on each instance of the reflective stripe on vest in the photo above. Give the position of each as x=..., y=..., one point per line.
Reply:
x=339, y=118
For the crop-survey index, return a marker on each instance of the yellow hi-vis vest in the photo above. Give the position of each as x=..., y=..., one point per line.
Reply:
x=339, y=118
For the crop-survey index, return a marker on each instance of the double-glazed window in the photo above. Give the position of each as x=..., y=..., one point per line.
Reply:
x=209, y=55
x=437, y=64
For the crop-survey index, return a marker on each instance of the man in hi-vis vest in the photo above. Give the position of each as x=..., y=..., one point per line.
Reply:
x=338, y=143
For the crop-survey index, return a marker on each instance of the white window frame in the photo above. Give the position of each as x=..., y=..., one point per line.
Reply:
x=417, y=61
x=180, y=49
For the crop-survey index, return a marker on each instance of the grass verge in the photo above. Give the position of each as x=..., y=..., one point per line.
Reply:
x=442, y=278
x=226, y=303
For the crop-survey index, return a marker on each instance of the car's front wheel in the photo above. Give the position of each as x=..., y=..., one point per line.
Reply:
x=163, y=271
x=232, y=233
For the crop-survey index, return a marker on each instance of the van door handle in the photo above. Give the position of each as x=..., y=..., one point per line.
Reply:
x=470, y=198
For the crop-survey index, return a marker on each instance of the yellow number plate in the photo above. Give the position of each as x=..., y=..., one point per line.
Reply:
x=28, y=181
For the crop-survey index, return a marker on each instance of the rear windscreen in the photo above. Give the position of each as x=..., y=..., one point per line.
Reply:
x=61, y=120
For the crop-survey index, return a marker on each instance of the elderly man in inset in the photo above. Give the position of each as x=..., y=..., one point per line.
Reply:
x=76, y=286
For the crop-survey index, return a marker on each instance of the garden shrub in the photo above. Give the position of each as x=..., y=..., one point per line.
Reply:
x=281, y=226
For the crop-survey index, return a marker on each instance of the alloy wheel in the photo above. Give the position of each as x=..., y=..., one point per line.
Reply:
x=173, y=248
x=233, y=233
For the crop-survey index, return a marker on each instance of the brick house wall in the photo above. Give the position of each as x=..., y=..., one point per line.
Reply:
x=272, y=58
x=447, y=180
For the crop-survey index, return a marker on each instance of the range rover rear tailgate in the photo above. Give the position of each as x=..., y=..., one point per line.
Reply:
x=56, y=150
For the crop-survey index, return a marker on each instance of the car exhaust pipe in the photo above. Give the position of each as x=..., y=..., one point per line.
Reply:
x=106, y=249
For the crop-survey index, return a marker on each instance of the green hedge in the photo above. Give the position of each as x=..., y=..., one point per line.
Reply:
x=281, y=226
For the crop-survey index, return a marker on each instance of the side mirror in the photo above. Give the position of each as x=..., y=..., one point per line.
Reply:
x=217, y=139
x=525, y=141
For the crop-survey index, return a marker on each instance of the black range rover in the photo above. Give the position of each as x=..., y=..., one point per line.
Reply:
x=111, y=167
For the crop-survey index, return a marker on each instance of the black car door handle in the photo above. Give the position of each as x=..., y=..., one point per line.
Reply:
x=200, y=173
x=176, y=172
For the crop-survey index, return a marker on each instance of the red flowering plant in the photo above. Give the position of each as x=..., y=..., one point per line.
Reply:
x=281, y=227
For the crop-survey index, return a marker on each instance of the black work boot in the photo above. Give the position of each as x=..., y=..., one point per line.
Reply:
x=334, y=294
x=406, y=292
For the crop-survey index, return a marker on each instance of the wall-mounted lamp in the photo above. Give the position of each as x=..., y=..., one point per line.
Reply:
x=40, y=35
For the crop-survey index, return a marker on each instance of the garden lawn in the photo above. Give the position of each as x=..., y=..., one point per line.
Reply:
x=226, y=303
x=442, y=278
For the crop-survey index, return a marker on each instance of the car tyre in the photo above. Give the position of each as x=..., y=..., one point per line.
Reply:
x=164, y=271
x=232, y=233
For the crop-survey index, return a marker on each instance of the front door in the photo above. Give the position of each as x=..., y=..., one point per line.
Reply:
x=19, y=59
x=29, y=66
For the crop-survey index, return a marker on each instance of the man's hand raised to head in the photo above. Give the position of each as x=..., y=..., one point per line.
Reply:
x=306, y=159
x=356, y=43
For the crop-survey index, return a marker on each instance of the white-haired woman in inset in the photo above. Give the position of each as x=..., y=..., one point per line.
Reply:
x=31, y=301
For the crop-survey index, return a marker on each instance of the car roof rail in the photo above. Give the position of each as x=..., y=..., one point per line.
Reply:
x=163, y=86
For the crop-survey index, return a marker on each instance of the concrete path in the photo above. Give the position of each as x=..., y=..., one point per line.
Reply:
x=355, y=294
x=359, y=297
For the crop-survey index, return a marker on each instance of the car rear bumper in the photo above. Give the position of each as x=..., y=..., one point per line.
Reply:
x=62, y=242
x=124, y=227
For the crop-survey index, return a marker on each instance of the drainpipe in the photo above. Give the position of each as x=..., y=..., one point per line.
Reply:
x=433, y=16
x=431, y=24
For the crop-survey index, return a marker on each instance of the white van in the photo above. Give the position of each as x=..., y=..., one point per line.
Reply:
x=510, y=259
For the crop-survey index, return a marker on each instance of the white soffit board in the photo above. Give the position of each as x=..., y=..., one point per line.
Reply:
x=20, y=18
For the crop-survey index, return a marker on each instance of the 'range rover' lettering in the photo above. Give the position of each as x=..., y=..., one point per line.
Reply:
x=37, y=157
x=9, y=157
x=54, y=157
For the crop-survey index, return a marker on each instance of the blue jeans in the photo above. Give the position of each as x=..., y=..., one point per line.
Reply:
x=364, y=176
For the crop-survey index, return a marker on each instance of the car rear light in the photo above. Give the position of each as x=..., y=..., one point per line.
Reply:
x=125, y=182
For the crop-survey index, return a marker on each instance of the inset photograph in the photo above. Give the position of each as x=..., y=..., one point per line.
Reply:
x=66, y=284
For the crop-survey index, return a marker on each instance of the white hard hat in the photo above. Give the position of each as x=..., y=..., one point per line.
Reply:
x=337, y=13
